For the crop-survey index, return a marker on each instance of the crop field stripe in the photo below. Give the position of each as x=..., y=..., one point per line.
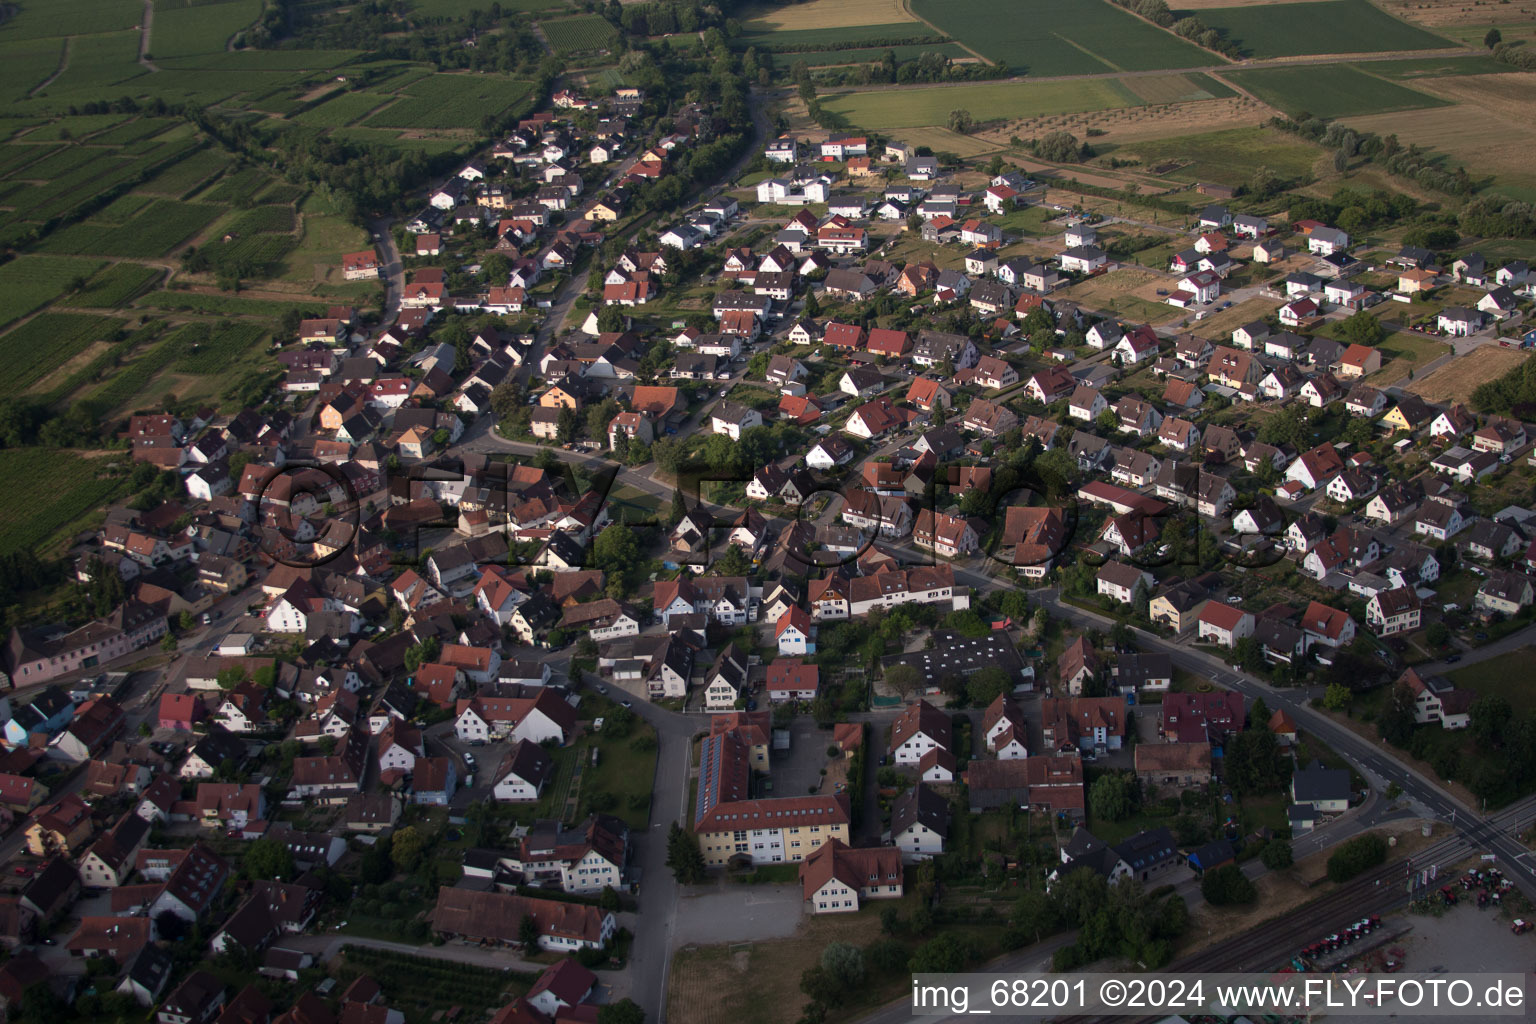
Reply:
x=790, y=40
x=1332, y=90
x=47, y=341
x=50, y=489
x=1063, y=37
x=204, y=28
x=28, y=283
x=1318, y=26
x=879, y=110
x=579, y=34
x=868, y=55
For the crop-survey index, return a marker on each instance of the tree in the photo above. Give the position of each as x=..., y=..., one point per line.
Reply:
x=229, y=678
x=625, y=1011
x=845, y=963
x=1254, y=762
x=1438, y=634
x=1107, y=421
x=609, y=899
x=169, y=925
x=1112, y=796
x=528, y=932
x=407, y=848
x=1493, y=37
x=1355, y=856
x=1227, y=886
x=1362, y=328
x=610, y=319
x=566, y=424
x=903, y=679
x=1035, y=915
x=987, y=684
x=616, y=549
x=267, y=858
x=684, y=856
x=1277, y=854
x=946, y=954
x=961, y=121
x=1336, y=697
x=1397, y=718
x=1340, y=161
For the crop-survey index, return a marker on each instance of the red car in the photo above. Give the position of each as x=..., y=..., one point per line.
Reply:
x=22, y=869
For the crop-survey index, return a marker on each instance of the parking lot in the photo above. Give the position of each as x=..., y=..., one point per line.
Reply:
x=795, y=771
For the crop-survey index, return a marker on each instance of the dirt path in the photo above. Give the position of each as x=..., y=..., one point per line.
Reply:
x=145, y=28
x=63, y=63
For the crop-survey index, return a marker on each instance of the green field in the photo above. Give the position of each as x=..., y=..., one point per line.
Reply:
x=47, y=341
x=97, y=62
x=1437, y=67
x=213, y=348
x=48, y=490
x=27, y=64
x=28, y=283
x=218, y=304
x=915, y=108
x=812, y=39
x=201, y=28
x=341, y=109
x=1332, y=90
x=585, y=33
x=38, y=20
x=869, y=54
x=452, y=101
x=155, y=231
x=1062, y=37
x=1227, y=156
x=459, y=9
x=1318, y=26
x=186, y=176
x=116, y=286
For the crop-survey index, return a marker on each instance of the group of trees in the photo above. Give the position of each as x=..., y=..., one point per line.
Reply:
x=1060, y=147
x=684, y=856
x=1358, y=854
x=1409, y=163
x=1503, y=394
x=1122, y=920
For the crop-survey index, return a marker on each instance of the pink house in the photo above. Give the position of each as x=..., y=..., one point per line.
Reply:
x=180, y=711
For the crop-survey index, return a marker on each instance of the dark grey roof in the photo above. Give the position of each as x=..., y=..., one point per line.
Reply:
x=1316, y=783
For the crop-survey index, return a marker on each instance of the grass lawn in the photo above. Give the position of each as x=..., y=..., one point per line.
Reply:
x=1404, y=351
x=622, y=771
x=1505, y=675
x=1028, y=220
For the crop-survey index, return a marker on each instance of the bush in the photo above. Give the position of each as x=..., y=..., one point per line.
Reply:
x=1359, y=854
x=1277, y=854
x=1228, y=886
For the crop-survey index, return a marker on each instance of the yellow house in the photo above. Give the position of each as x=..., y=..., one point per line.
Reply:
x=557, y=396
x=604, y=210
x=220, y=573
x=1177, y=607
x=59, y=827
x=778, y=830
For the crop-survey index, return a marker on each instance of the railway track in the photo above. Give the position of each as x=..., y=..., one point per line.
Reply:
x=1274, y=943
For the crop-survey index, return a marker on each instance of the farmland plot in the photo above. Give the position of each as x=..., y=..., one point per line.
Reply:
x=48, y=490
x=49, y=340
x=1291, y=30
x=27, y=283
x=157, y=230
x=452, y=101
x=1330, y=90
x=116, y=286
x=586, y=33
x=1063, y=37
x=200, y=28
